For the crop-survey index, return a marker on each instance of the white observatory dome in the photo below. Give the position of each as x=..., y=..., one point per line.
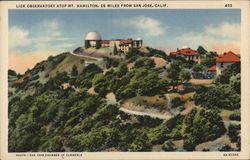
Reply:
x=94, y=36
x=139, y=38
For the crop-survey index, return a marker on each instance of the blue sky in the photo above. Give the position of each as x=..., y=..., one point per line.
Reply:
x=50, y=32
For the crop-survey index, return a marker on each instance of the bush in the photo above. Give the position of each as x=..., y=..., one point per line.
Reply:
x=34, y=77
x=235, y=116
x=226, y=147
x=193, y=135
x=12, y=72
x=158, y=134
x=176, y=102
x=205, y=150
x=217, y=97
x=168, y=145
x=233, y=132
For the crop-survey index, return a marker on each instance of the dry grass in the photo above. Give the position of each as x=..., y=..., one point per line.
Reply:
x=178, y=144
x=184, y=96
x=147, y=104
x=226, y=113
x=111, y=96
x=157, y=147
x=149, y=100
x=92, y=91
x=189, y=105
x=67, y=64
x=214, y=145
x=201, y=81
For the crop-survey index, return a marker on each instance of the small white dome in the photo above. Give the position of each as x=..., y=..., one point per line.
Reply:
x=93, y=36
x=139, y=38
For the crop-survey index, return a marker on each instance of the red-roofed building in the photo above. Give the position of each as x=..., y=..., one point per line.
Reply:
x=213, y=68
x=211, y=72
x=122, y=44
x=126, y=41
x=188, y=54
x=225, y=60
x=105, y=43
x=125, y=44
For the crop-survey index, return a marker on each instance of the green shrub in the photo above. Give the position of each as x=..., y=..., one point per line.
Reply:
x=168, y=145
x=233, y=132
x=226, y=148
x=177, y=101
x=235, y=116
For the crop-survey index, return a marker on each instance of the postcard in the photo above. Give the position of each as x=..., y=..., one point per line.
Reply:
x=124, y=80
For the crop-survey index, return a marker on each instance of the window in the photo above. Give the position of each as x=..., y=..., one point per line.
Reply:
x=221, y=65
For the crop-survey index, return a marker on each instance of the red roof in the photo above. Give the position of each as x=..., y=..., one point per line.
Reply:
x=185, y=51
x=213, y=68
x=126, y=41
x=228, y=57
x=130, y=65
x=105, y=41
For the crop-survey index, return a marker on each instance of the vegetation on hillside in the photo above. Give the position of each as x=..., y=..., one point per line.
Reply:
x=52, y=110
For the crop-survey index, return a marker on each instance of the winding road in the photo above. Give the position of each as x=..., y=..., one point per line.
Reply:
x=153, y=115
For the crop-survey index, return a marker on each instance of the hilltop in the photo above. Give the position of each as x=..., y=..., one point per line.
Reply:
x=105, y=52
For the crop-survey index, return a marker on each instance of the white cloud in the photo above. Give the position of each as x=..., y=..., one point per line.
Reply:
x=222, y=34
x=226, y=30
x=146, y=26
x=50, y=23
x=18, y=37
x=46, y=35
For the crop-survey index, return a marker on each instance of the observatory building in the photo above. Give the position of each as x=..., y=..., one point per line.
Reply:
x=94, y=39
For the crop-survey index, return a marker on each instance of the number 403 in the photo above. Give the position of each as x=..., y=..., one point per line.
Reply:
x=228, y=5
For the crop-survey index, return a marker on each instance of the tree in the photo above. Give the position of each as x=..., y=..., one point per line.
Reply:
x=235, y=82
x=168, y=145
x=144, y=62
x=74, y=71
x=226, y=147
x=225, y=76
x=12, y=72
x=233, y=132
x=115, y=50
x=173, y=72
x=82, y=61
x=26, y=135
x=208, y=60
x=141, y=142
x=185, y=75
x=111, y=62
x=213, y=127
x=201, y=50
x=217, y=97
x=122, y=69
x=158, y=134
x=198, y=68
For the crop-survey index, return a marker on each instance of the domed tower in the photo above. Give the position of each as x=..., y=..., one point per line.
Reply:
x=93, y=39
x=138, y=42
